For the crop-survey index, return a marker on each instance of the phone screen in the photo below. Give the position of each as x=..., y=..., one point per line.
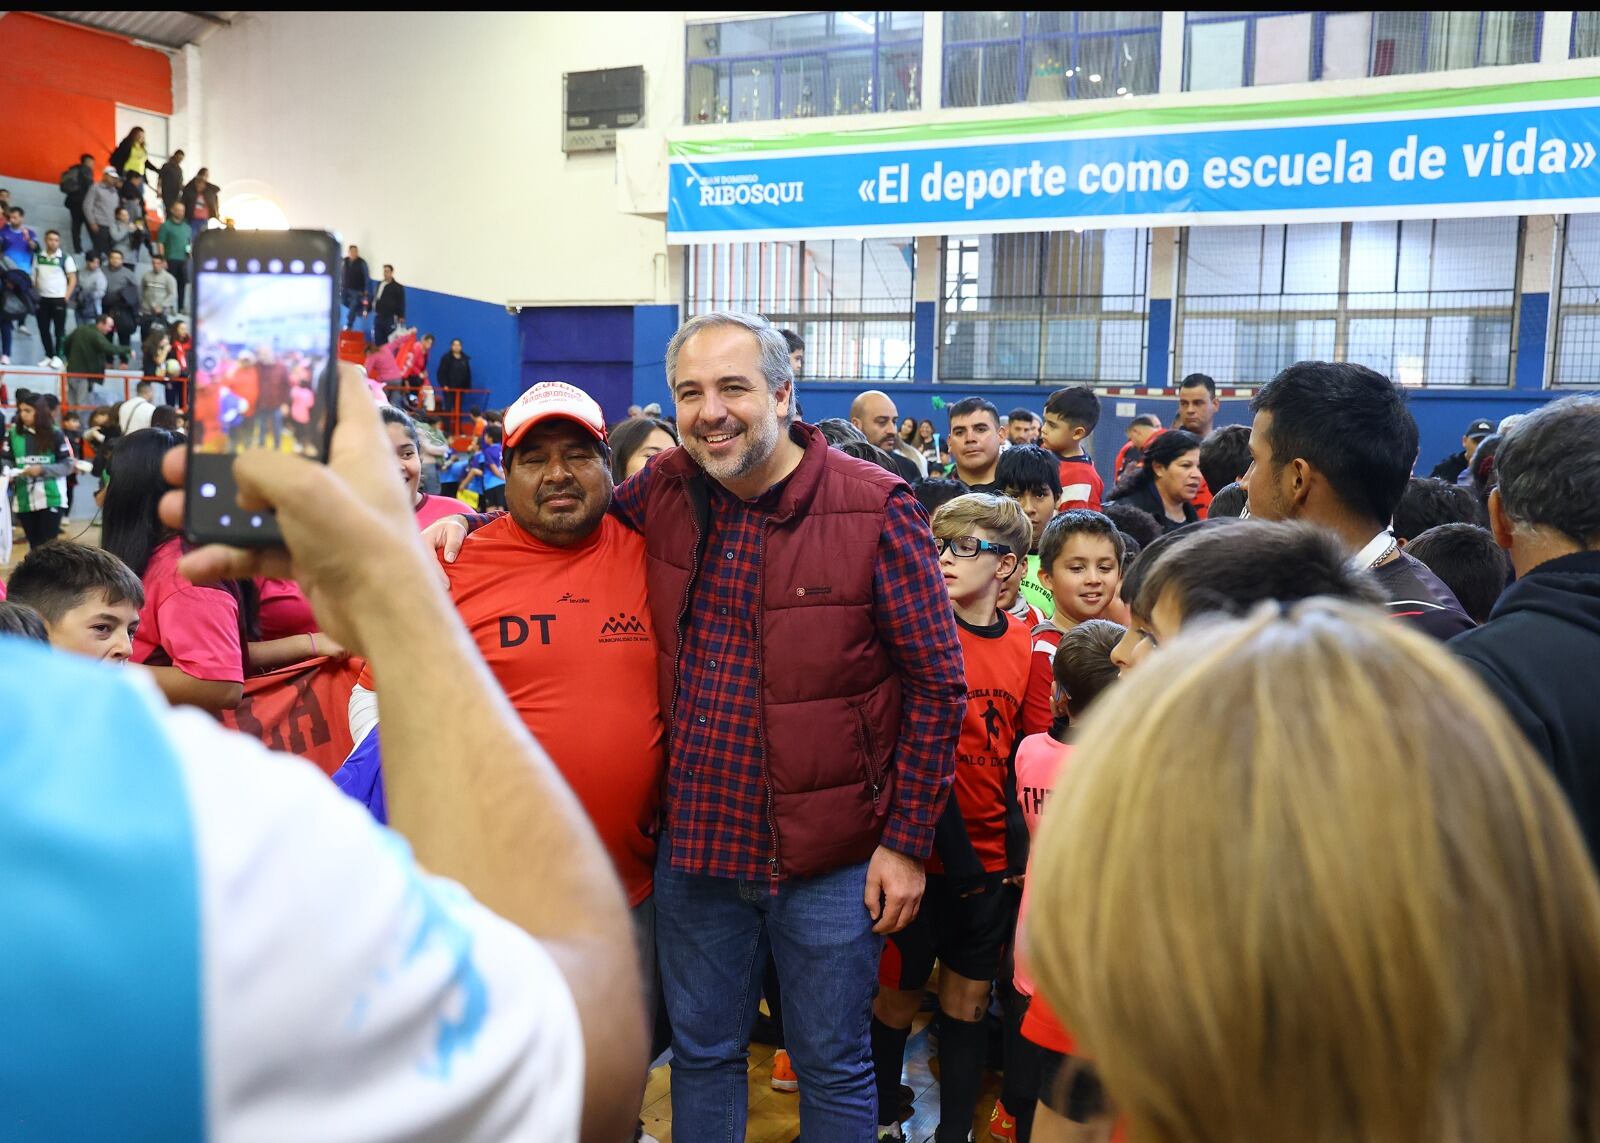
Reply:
x=264, y=350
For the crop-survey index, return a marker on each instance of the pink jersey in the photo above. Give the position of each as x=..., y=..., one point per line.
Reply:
x=1040, y=759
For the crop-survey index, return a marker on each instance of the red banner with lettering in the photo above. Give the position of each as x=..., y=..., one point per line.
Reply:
x=301, y=709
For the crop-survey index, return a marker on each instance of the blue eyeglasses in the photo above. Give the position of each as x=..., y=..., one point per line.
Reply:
x=968, y=547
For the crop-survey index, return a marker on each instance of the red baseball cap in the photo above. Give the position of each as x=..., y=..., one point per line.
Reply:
x=550, y=399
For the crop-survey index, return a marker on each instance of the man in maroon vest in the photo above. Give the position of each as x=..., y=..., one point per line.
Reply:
x=811, y=677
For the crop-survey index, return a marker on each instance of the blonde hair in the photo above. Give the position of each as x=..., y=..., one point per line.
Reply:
x=1000, y=516
x=1355, y=910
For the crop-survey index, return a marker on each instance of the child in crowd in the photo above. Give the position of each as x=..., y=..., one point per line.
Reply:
x=1031, y=476
x=1080, y=564
x=490, y=464
x=967, y=908
x=1082, y=669
x=88, y=599
x=302, y=398
x=1070, y=415
x=1470, y=562
x=21, y=621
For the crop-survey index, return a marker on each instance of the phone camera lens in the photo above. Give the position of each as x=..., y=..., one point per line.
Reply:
x=297, y=266
x=319, y=267
x=225, y=520
x=276, y=266
x=254, y=266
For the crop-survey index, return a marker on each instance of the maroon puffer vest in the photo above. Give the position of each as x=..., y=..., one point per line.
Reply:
x=830, y=692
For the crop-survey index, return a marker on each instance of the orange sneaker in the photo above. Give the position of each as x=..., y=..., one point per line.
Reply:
x=783, y=1077
x=1002, y=1124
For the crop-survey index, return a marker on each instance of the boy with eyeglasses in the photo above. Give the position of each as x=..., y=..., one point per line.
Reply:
x=968, y=910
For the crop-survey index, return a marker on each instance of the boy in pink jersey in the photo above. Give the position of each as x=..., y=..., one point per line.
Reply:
x=1081, y=669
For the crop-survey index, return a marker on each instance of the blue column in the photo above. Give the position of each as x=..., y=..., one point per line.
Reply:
x=1157, y=368
x=1533, y=328
x=926, y=330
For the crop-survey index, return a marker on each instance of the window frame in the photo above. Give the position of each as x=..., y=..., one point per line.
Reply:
x=1024, y=40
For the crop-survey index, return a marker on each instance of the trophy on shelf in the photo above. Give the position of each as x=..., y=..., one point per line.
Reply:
x=1048, y=82
x=838, y=96
x=806, y=107
x=703, y=115
x=755, y=93
x=722, y=111
x=913, y=99
x=866, y=95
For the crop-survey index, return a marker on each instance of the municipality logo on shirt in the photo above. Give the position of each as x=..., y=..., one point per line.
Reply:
x=623, y=627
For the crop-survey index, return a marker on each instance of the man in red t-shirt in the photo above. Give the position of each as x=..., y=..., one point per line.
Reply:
x=553, y=593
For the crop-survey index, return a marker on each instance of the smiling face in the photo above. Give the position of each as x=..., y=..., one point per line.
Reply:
x=1084, y=577
x=975, y=446
x=1179, y=482
x=558, y=485
x=729, y=420
x=97, y=629
x=405, y=451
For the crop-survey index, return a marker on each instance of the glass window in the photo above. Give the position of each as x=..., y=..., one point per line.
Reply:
x=1426, y=303
x=801, y=66
x=1048, y=308
x=1577, y=354
x=849, y=299
x=1032, y=57
x=1238, y=49
x=1585, y=35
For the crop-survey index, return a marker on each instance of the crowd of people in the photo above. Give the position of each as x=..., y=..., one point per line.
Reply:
x=1247, y=792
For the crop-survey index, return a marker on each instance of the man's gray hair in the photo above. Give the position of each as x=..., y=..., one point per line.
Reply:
x=774, y=349
x=1547, y=472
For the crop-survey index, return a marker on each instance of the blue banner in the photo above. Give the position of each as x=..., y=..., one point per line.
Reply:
x=1521, y=159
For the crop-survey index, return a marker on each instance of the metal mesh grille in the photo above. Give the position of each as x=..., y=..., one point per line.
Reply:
x=1047, y=307
x=1252, y=49
x=850, y=300
x=1033, y=57
x=1577, y=350
x=1425, y=303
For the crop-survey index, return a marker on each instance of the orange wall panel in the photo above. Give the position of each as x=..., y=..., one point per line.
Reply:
x=60, y=89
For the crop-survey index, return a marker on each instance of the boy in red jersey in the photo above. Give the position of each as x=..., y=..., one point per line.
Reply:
x=1070, y=416
x=967, y=909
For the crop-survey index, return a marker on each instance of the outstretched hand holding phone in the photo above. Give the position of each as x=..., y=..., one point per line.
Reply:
x=498, y=817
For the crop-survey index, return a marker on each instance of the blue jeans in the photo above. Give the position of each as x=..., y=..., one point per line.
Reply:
x=712, y=937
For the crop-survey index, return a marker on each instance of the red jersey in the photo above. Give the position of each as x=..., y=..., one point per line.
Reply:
x=1202, y=499
x=996, y=664
x=1081, y=485
x=566, y=632
x=1036, y=713
x=1040, y=760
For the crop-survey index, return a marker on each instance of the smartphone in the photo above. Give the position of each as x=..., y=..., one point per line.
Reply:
x=266, y=331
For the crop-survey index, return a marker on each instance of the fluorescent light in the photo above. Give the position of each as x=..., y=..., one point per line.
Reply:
x=1094, y=79
x=856, y=22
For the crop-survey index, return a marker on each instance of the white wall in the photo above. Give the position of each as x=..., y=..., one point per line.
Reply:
x=433, y=141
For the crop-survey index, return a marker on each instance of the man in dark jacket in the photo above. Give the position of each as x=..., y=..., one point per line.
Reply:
x=811, y=677
x=170, y=180
x=75, y=184
x=355, y=286
x=1540, y=650
x=88, y=348
x=455, y=375
x=389, y=305
x=1451, y=467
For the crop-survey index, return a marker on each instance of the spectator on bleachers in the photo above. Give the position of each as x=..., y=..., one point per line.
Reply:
x=16, y=303
x=100, y=210
x=55, y=277
x=357, y=285
x=130, y=155
x=91, y=292
x=132, y=199
x=18, y=241
x=200, y=200
x=158, y=293
x=173, y=240
x=38, y=451
x=88, y=349
x=455, y=375
x=415, y=371
x=135, y=413
x=389, y=305
x=125, y=235
x=154, y=351
x=170, y=181
x=122, y=296
x=76, y=182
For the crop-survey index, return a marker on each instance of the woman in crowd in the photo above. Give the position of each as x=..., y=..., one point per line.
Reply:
x=130, y=157
x=191, y=637
x=1167, y=480
x=455, y=374
x=1340, y=926
x=200, y=201
x=154, y=350
x=125, y=236
x=42, y=458
x=908, y=430
x=635, y=441
x=408, y=451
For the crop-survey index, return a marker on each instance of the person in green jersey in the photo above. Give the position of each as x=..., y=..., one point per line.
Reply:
x=36, y=457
